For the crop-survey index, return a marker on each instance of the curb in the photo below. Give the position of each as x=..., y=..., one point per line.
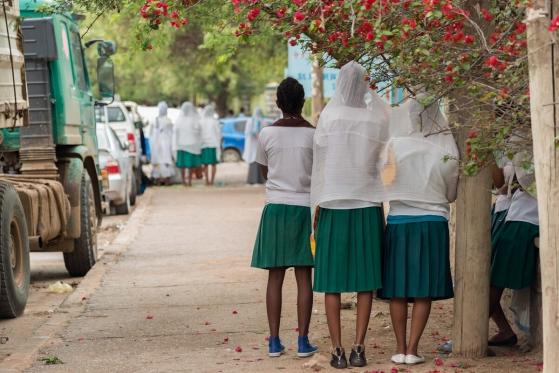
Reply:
x=26, y=354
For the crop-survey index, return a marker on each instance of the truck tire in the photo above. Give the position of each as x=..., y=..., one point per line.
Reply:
x=133, y=190
x=14, y=254
x=84, y=256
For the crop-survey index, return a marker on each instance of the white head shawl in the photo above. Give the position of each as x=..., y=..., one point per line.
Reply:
x=211, y=131
x=188, y=135
x=348, y=144
x=162, y=108
x=422, y=156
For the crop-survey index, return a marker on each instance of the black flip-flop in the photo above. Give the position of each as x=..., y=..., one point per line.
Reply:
x=510, y=341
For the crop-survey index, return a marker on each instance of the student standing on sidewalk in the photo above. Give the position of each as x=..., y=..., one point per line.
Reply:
x=424, y=156
x=347, y=197
x=211, y=143
x=285, y=155
x=187, y=141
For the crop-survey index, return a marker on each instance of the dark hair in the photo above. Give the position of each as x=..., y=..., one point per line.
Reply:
x=291, y=96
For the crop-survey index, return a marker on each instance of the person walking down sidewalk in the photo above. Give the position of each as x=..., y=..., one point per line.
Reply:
x=211, y=143
x=285, y=155
x=424, y=156
x=187, y=143
x=161, y=140
x=346, y=196
x=253, y=127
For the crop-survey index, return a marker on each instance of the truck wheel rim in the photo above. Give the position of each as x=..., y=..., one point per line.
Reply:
x=16, y=254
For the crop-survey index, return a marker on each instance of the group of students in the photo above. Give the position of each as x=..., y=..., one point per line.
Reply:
x=329, y=183
x=192, y=143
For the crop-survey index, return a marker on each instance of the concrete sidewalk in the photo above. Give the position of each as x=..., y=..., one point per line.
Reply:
x=183, y=298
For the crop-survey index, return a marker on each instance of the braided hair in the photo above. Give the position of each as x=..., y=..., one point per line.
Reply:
x=291, y=97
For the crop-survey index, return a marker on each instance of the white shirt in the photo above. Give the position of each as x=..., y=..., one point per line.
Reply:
x=288, y=154
x=211, y=133
x=524, y=208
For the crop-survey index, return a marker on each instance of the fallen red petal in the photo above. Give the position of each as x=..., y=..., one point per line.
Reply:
x=238, y=349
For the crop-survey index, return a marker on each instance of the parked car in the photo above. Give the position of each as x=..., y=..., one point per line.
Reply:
x=117, y=117
x=116, y=164
x=233, y=133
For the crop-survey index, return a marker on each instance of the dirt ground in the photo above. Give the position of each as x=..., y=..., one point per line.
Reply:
x=181, y=297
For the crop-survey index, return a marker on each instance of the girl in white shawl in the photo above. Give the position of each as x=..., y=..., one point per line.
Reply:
x=187, y=141
x=252, y=129
x=211, y=143
x=423, y=156
x=346, y=193
x=161, y=138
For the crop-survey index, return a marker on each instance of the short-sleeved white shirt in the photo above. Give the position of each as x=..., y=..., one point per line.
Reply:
x=287, y=151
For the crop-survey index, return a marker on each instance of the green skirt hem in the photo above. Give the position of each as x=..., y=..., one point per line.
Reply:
x=209, y=156
x=416, y=261
x=348, y=250
x=283, y=238
x=514, y=256
x=188, y=160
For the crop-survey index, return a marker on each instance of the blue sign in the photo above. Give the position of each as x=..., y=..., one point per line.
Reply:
x=299, y=66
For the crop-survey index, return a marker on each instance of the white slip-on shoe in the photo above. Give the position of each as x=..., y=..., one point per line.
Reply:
x=412, y=359
x=398, y=359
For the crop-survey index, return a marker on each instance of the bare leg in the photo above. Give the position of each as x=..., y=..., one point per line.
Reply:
x=214, y=171
x=190, y=175
x=399, y=316
x=303, y=275
x=419, y=318
x=498, y=316
x=183, y=175
x=205, y=168
x=332, y=302
x=364, y=305
x=274, y=298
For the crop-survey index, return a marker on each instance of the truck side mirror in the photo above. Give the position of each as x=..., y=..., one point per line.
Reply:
x=106, y=77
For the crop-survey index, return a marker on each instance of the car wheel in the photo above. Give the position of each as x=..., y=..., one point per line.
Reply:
x=231, y=155
x=133, y=191
x=124, y=208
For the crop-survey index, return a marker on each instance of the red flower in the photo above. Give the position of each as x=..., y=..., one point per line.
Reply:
x=252, y=14
x=486, y=14
x=280, y=12
x=238, y=349
x=439, y=362
x=298, y=16
x=492, y=61
x=554, y=25
x=469, y=39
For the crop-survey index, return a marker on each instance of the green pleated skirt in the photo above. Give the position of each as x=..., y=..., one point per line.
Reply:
x=416, y=261
x=348, y=250
x=514, y=256
x=188, y=160
x=497, y=222
x=283, y=238
x=209, y=156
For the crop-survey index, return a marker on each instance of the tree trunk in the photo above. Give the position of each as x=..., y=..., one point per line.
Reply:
x=544, y=95
x=221, y=102
x=317, y=79
x=472, y=262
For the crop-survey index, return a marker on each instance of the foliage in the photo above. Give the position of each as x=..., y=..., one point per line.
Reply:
x=201, y=61
x=470, y=53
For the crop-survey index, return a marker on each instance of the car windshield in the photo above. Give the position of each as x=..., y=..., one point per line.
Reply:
x=115, y=114
x=103, y=139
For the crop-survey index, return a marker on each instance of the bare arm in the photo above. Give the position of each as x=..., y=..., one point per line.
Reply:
x=264, y=171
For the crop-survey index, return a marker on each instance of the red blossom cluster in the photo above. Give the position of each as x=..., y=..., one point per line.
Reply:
x=157, y=12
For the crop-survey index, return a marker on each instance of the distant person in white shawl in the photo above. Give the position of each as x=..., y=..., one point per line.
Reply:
x=211, y=143
x=252, y=129
x=346, y=193
x=161, y=138
x=187, y=141
x=423, y=158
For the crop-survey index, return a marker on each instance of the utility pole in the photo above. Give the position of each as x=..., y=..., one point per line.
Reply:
x=317, y=81
x=543, y=58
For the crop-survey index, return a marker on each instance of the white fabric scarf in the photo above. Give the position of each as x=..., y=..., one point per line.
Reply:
x=188, y=131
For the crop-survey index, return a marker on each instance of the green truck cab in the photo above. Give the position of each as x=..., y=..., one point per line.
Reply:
x=49, y=175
